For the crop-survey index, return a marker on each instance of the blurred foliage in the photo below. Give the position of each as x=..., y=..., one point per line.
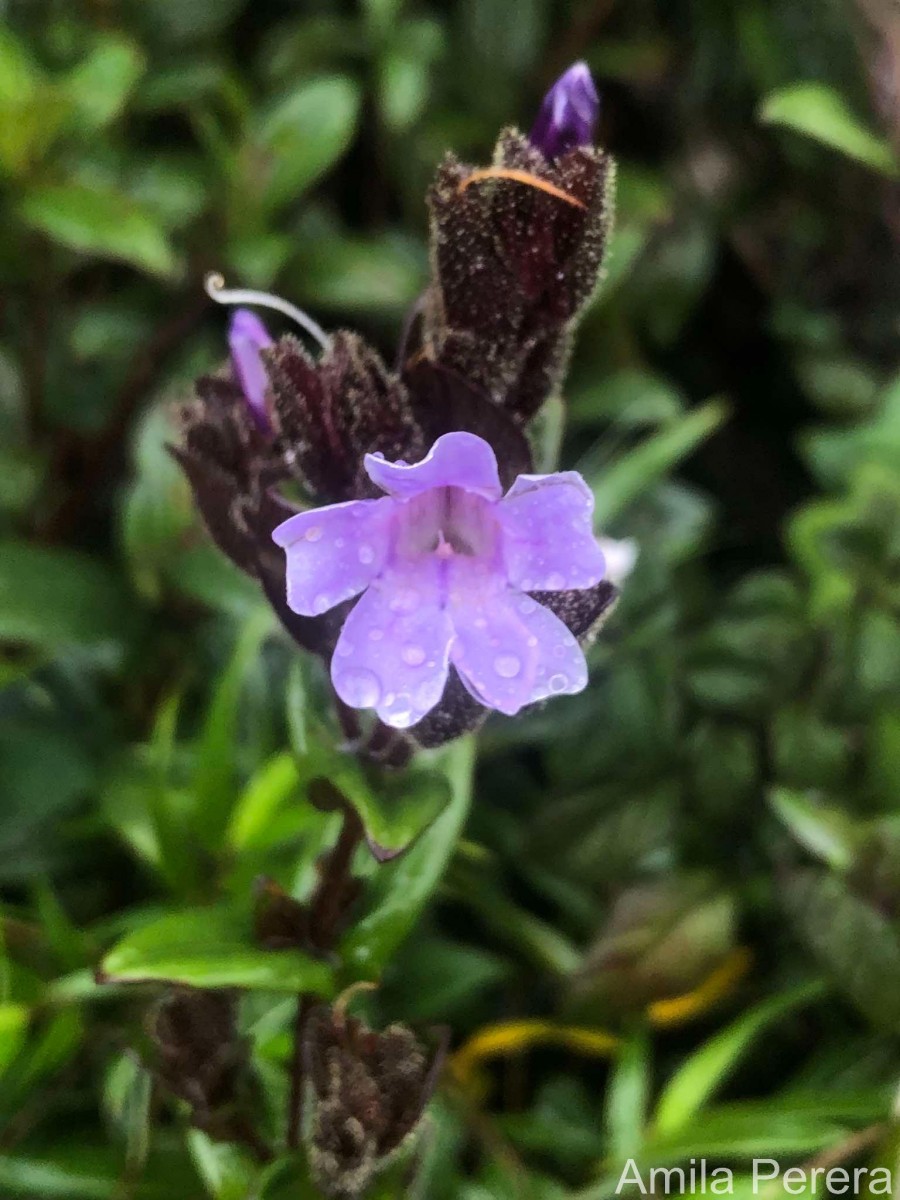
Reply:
x=728, y=784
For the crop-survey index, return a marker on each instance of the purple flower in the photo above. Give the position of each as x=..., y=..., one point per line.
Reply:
x=247, y=336
x=445, y=563
x=568, y=115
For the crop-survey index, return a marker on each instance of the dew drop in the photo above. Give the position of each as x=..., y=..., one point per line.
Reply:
x=360, y=688
x=557, y=682
x=404, y=600
x=413, y=656
x=555, y=582
x=366, y=555
x=375, y=635
x=399, y=711
x=532, y=641
x=507, y=666
x=527, y=606
x=322, y=602
x=480, y=622
x=344, y=649
x=340, y=543
x=313, y=533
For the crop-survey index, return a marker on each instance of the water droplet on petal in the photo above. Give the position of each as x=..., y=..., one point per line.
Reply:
x=322, y=602
x=413, y=656
x=558, y=682
x=532, y=641
x=480, y=622
x=400, y=711
x=340, y=543
x=404, y=600
x=527, y=606
x=313, y=533
x=344, y=649
x=507, y=666
x=555, y=582
x=360, y=688
x=366, y=555
x=375, y=635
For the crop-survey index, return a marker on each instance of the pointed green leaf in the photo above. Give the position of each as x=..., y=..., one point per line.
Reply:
x=402, y=888
x=100, y=223
x=819, y=112
x=211, y=948
x=707, y=1068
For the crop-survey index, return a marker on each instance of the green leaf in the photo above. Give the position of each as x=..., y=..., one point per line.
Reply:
x=13, y=1030
x=856, y=944
x=819, y=112
x=53, y=598
x=735, y=1132
x=627, y=1096
x=32, y=109
x=49, y=1178
x=402, y=888
x=100, y=223
x=45, y=1053
x=336, y=270
x=100, y=85
x=707, y=1068
x=394, y=810
x=214, y=777
x=403, y=84
x=127, y=1095
x=44, y=773
x=619, y=484
x=226, y=1170
x=304, y=136
x=211, y=948
x=433, y=978
x=835, y=453
x=158, y=510
x=824, y=830
x=277, y=781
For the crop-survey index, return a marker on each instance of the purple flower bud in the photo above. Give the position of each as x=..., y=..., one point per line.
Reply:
x=445, y=563
x=568, y=115
x=247, y=336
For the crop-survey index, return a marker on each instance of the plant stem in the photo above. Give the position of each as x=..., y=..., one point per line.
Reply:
x=329, y=902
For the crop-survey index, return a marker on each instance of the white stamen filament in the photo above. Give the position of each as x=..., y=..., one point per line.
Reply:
x=216, y=290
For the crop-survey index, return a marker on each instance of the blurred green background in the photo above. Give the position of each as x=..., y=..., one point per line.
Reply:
x=687, y=879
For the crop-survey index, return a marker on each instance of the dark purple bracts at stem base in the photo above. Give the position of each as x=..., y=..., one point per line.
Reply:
x=369, y=1093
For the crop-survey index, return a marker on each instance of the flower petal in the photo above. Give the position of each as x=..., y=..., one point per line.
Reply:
x=548, y=542
x=561, y=666
x=461, y=460
x=393, y=652
x=334, y=552
x=247, y=336
x=493, y=650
